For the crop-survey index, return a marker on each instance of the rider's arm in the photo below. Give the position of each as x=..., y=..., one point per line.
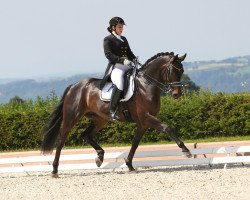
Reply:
x=131, y=55
x=107, y=46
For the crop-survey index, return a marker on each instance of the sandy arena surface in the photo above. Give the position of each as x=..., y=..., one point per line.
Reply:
x=159, y=183
x=155, y=183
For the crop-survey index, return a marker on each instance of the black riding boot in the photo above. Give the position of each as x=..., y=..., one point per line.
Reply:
x=115, y=97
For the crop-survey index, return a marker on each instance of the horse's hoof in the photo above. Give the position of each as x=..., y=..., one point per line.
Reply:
x=131, y=168
x=187, y=154
x=54, y=175
x=98, y=162
x=129, y=165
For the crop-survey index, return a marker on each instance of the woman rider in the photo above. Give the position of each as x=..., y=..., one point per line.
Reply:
x=120, y=56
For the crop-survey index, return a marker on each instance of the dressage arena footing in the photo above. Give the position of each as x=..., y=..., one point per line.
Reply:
x=154, y=183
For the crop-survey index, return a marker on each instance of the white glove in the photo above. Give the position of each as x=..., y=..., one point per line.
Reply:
x=127, y=62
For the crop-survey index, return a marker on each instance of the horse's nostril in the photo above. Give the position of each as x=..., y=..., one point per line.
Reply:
x=176, y=95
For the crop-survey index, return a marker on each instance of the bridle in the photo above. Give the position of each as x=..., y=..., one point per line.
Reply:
x=164, y=87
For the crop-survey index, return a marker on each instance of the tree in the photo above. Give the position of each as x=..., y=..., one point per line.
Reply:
x=190, y=85
x=16, y=100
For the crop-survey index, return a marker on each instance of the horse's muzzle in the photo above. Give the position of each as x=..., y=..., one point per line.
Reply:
x=176, y=96
x=176, y=93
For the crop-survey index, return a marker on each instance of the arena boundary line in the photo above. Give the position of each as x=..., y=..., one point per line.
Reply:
x=157, y=158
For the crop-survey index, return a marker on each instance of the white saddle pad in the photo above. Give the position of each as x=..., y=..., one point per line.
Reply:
x=108, y=88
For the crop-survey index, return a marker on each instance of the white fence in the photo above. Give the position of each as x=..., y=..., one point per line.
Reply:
x=203, y=156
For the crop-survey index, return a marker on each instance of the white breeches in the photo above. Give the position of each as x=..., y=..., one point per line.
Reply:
x=117, y=75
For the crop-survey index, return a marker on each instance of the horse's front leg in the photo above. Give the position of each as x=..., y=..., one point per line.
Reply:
x=135, y=142
x=157, y=124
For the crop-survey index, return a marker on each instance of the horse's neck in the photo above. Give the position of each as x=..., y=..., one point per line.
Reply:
x=153, y=70
x=148, y=91
x=149, y=80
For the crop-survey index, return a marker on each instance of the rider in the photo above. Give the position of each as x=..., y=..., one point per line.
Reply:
x=120, y=56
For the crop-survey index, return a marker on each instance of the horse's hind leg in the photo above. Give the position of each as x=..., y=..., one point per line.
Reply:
x=68, y=123
x=96, y=125
x=59, y=145
x=135, y=142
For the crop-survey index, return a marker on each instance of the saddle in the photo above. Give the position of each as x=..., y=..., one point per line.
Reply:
x=129, y=86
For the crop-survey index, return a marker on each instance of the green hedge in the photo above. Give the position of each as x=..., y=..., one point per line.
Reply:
x=194, y=116
x=21, y=123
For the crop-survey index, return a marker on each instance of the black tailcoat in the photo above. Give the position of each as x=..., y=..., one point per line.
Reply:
x=116, y=51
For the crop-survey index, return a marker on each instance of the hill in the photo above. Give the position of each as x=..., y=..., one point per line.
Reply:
x=31, y=88
x=230, y=75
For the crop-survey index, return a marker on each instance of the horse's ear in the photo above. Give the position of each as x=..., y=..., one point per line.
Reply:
x=182, y=57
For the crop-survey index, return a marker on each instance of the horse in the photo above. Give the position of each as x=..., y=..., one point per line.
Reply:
x=161, y=72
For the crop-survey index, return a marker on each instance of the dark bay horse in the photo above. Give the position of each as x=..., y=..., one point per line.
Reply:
x=160, y=73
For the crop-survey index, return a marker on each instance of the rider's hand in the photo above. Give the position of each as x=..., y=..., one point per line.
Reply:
x=127, y=62
x=136, y=60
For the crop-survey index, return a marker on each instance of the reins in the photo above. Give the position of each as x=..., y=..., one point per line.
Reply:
x=165, y=87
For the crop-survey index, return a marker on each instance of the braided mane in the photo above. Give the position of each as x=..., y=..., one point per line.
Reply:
x=156, y=56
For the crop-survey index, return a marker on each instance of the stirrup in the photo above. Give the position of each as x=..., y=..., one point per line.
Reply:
x=113, y=115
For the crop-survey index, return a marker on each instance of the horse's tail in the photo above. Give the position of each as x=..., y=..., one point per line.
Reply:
x=52, y=128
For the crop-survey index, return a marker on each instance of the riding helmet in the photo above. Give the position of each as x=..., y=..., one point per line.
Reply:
x=116, y=20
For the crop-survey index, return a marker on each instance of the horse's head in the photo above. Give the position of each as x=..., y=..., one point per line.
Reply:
x=172, y=73
x=164, y=70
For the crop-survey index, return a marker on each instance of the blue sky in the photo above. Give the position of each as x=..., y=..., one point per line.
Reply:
x=45, y=38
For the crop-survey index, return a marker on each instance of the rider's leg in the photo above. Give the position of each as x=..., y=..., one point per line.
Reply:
x=117, y=77
x=115, y=98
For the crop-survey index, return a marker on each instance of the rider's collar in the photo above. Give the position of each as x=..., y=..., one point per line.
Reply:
x=117, y=36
